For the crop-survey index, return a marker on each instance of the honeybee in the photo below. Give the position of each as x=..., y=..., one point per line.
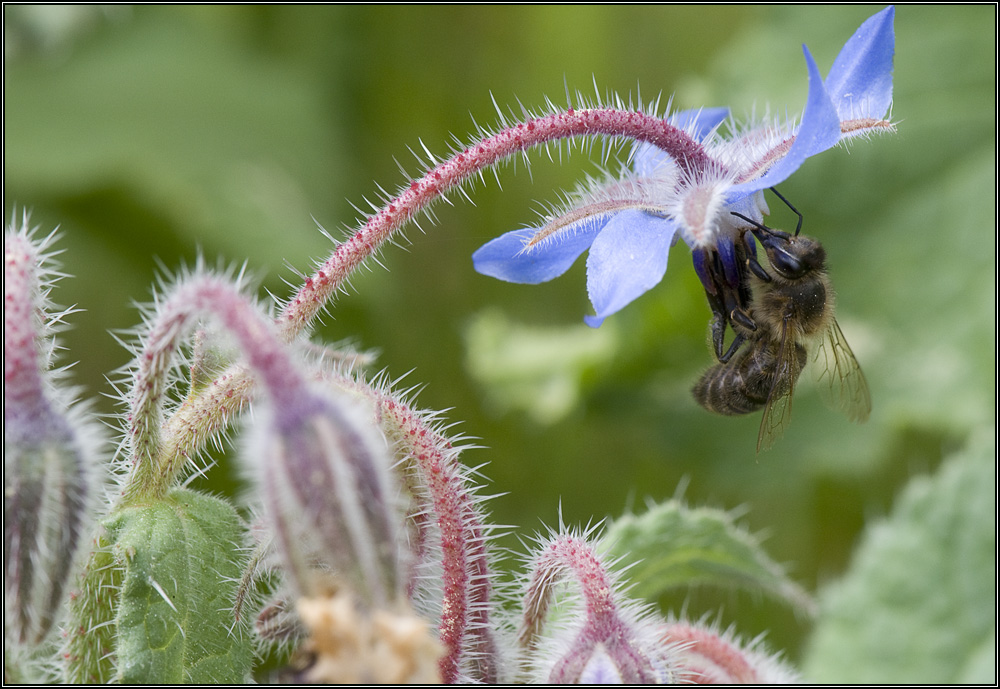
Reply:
x=791, y=311
x=724, y=271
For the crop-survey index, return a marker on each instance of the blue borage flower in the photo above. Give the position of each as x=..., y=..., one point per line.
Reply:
x=629, y=222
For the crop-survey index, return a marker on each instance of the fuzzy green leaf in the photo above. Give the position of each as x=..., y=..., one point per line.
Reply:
x=674, y=547
x=919, y=602
x=175, y=622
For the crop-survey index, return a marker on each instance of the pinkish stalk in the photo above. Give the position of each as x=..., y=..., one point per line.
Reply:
x=464, y=628
x=567, y=555
x=689, y=154
x=866, y=124
x=152, y=472
x=707, y=658
x=200, y=417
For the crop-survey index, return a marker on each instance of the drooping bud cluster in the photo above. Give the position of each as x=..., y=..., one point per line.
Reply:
x=322, y=468
x=48, y=449
x=608, y=643
x=323, y=476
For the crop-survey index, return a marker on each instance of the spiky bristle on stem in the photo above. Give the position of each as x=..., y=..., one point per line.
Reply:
x=448, y=175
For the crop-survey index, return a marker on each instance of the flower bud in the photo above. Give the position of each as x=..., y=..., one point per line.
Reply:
x=46, y=452
x=324, y=474
x=623, y=655
x=45, y=496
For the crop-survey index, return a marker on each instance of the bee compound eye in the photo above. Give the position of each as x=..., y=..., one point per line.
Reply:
x=786, y=264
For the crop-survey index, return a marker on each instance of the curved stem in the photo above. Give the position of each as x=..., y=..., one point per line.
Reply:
x=234, y=388
x=153, y=470
x=572, y=558
x=689, y=154
x=464, y=629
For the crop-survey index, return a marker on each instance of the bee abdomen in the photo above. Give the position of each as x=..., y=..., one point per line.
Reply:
x=724, y=390
x=744, y=384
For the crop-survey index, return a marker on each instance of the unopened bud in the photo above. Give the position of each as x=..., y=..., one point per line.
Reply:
x=45, y=496
x=622, y=658
x=324, y=474
x=46, y=452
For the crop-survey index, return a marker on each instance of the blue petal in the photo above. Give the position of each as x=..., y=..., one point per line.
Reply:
x=730, y=265
x=647, y=158
x=701, y=259
x=704, y=120
x=505, y=257
x=628, y=258
x=860, y=81
x=818, y=131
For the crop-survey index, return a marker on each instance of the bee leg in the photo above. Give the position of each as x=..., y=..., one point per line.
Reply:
x=743, y=319
x=733, y=348
x=737, y=316
x=706, y=266
x=722, y=272
x=735, y=304
x=757, y=269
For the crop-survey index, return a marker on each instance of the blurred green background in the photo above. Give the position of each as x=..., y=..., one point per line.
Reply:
x=154, y=134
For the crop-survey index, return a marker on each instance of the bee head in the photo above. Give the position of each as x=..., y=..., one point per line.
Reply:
x=793, y=257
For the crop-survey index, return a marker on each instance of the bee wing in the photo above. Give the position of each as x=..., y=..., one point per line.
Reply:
x=778, y=409
x=842, y=385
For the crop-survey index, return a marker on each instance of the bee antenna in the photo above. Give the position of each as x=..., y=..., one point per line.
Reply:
x=757, y=225
x=794, y=209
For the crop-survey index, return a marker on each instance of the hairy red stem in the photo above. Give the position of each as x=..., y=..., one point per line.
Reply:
x=689, y=154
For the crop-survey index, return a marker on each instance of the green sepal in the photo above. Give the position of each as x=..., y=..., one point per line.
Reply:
x=672, y=546
x=181, y=558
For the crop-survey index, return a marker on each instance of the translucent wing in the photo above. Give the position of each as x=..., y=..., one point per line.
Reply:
x=842, y=385
x=791, y=357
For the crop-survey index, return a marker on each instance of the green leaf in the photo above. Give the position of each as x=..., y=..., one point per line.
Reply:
x=673, y=547
x=175, y=622
x=919, y=602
